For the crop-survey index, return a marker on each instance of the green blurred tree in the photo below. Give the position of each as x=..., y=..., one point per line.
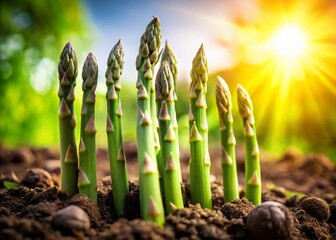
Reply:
x=32, y=35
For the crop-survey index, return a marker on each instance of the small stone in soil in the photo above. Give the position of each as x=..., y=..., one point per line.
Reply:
x=270, y=220
x=37, y=177
x=71, y=219
x=316, y=208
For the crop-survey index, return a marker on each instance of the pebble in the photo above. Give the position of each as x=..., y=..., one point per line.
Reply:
x=37, y=177
x=71, y=219
x=316, y=208
x=270, y=220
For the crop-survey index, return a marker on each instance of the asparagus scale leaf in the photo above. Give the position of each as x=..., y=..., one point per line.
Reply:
x=67, y=73
x=150, y=197
x=252, y=163
x=87, y=180
x=200, y=191
x=228, y=142
x=113, y=128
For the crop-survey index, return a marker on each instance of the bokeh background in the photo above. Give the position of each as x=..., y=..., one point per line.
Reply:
x=282, y=52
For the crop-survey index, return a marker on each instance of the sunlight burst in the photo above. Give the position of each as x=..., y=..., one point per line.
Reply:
x=289, y=42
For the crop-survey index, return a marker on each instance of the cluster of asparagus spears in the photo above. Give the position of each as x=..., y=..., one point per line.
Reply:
x=157, y=130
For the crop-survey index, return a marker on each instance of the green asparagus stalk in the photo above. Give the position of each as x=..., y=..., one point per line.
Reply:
x=87, y=181
x=113, y=128
x=252, y=164
x=169, y=55
x=228, y=142
x=150, y=198
x=164, y=86
x=200, y=191
x=67, y=72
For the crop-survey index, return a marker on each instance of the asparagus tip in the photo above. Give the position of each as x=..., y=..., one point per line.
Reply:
x=223, y=96
x=245, y=104
x=155, y=19
x=68, y=45
x=90, y=55
x=202, y=47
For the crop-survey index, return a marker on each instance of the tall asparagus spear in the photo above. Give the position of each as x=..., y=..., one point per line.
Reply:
x=168, y=55
x=67, y=73
x=87, y=180
x=252, y=164
x=113, y=128
x=228, y=142
x=150, y=198
x=164, y=86
x=200, y=191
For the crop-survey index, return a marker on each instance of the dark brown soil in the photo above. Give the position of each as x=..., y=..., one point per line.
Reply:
x=27, y=212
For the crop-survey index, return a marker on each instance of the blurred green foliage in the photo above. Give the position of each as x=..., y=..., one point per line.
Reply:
x=32, y=35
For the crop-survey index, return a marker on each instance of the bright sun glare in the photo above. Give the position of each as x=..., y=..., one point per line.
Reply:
x=289, y=42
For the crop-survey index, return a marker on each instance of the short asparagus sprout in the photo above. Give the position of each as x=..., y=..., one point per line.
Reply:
x=150, y=197
x=228, y=142
x=87, y=180
x=113, y=128
x=252, y=164
x=200, y=190
x=67, y=73
x=164, y=86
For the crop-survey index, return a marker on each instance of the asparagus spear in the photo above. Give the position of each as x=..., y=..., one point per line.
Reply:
x=168, y=55
x=252, y=164
x=168, y=138
x=150, y=198
x=228, y=142
x=113, y=128
x=200, y=191
x=67, y=73
x=87, y=181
